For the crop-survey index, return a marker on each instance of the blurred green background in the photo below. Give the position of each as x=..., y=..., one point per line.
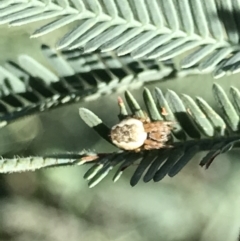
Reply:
x=56, y=204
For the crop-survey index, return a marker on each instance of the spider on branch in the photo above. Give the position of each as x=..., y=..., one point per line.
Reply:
x=137, y=134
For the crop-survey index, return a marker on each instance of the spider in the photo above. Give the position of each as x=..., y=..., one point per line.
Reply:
x=137, y=134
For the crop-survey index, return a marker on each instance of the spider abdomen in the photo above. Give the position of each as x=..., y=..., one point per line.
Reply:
x=129, y=134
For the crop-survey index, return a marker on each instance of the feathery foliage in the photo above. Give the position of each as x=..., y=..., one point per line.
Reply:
x=198, y=128
x=29, y=87
x=153, y=29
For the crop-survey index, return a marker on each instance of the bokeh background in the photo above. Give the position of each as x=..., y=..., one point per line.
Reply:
x=56, y=204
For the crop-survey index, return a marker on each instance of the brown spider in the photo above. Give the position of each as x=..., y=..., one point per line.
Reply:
x=136, y=134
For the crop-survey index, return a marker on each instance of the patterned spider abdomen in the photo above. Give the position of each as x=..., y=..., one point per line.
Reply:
x=129, y=134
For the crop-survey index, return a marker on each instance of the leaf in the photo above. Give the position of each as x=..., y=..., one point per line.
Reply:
x=94, y=122
x=32, y=163
x=168, y=115
x=198, y=116
x=173, y=157
x=230, y=114
x=217, y=122
x=181, y=114
x=212, y=136
x=29, y=87
x=151, y=105
x=145, y=29
x=146, y=161
x=211, y=132
x=187, y=156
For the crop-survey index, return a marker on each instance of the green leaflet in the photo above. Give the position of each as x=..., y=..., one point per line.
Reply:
x=31, y=87
x=210, y=132
x=155, y=29
x=214, y=136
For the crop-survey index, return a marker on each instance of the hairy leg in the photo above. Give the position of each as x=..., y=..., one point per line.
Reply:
x=151, y=145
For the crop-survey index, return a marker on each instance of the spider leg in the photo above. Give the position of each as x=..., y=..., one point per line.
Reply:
x=150, y=145
x=152, y=127
x=159, y=137
x=158, y=126
x=138, y=149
